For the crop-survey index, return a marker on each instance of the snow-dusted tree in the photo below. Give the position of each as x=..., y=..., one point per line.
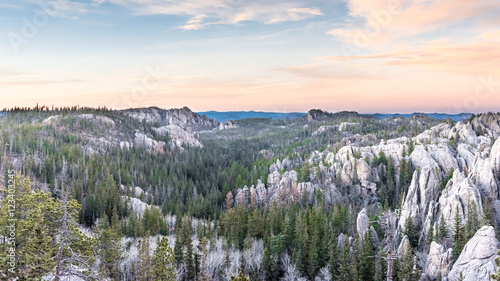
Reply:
x=291, y=271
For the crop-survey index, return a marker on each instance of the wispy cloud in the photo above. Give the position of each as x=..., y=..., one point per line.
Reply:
x=464, y=58
x=36, y=82
x=329, y=71
x=384, y=22
x=203, y=13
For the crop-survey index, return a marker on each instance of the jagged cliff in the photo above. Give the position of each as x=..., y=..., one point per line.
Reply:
x=469, y=152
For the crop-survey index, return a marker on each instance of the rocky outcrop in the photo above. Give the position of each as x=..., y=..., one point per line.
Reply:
x=457, y=194
x=324, y=129
x=285, y=189
x=227, y=125
x=476, y=262
x=344, y=126
x=362, y=223
x=317, y=115
x=438, y=262
x=98, y=119
x=182, y=117
x=152, y=145
x=179, y=137
x=495, y=157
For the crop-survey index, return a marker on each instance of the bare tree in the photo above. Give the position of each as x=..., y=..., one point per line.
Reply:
x=74, y=258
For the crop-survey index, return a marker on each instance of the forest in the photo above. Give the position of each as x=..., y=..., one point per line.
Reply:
x=94, y=203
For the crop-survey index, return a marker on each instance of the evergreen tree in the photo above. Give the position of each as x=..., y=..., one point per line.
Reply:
x=367, y=259
x=430, y=235
x=487, y=215
x=411, y=232
x=188, y=254
x=164, y=261
x=203, y=250
x=333, y=260
x=408, y=271
x=344, y=269
x=458, y=235
x=496, y=276
x=442, y=229
x=241, y=277
x=472, y=223
x=146, y=264
x=109, y=250
x=179, y=240
x=38, y=250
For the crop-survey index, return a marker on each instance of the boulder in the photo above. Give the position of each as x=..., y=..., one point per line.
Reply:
x=476, y=262
x=438, y=262
x=362, y=223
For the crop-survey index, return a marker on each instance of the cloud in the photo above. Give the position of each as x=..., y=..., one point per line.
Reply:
x=36, y=82
x=379, y=23
x=478, y=58
x=203, y=13
x=330, y=71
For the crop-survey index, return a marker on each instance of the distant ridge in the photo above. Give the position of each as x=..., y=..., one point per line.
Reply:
x=223, y=116
x=441, y=116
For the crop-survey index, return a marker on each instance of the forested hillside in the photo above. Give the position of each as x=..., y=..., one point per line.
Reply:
x=154, y=194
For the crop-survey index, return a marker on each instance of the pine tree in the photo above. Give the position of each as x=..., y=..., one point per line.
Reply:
x=487, y=215
x=38, y=250
x=146, y=264
x=411, y=232
x=430, y=235
x=458, y=236
x=164, y=261
x=443, y=229
x=75, y=249
x=188, y=257
x=367, y=259
x=496, y=276
x=179, y=240
x=381, y=268
x=333, y=260
x=203, y=250
x=109, y=250
x=472, y=223
x=241, y=277
x=408, y=271
x=344, y=269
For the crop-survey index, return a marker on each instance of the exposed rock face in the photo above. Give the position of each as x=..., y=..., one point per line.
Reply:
x=476, y=262
x=182, y=117
x=285, y=189
x=324, y=129
x=495, y=157
x=50, y=120
x=344, y=126
x=227, y=125
x=405, y=244
x=317, y=115
x=179, y=136
x=149, y=143
x=438, y=262
x=483, y=176
x=457, y=194
x=362, y=223
x=98, y=118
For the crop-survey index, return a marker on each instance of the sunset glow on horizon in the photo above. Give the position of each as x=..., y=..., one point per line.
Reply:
x=375, y=56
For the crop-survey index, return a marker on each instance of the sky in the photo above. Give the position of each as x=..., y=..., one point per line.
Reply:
x=377, y=56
